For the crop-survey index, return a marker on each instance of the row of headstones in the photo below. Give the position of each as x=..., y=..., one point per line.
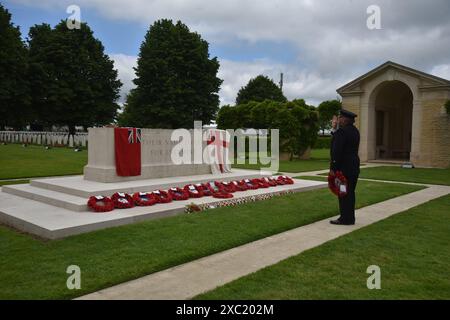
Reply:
x=45, y=138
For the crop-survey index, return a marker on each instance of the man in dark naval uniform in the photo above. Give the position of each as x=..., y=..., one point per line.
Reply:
x=344, y=157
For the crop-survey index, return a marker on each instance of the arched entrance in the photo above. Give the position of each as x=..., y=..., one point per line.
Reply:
x=393, y=102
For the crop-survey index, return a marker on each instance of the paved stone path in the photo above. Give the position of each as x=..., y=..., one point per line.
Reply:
x=192, y=278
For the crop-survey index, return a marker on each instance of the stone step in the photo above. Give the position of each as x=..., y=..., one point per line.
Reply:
x=77, y=186
x=54, y=198
x=51, y=222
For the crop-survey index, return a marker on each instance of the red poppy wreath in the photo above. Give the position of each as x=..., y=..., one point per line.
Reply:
x=122, y=200
x=100, y=204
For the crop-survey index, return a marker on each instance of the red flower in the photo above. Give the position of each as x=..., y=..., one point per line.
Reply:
x=218, y=192
x=260, y=183
x=226, y=186
x=122, y=200
x=144, y=199
x=100, y=204
x=162, y=196
x=239, y=185
x=337, y=184
x=249, y=184
x=178, y=194
x=194, y=191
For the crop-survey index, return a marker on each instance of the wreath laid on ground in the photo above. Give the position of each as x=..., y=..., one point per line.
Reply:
x=285, y=180
x=338, y=184
x=270, y=181
x=122, y=200
x=144, y=199
x=100, y=204
x=218, y=191
x=250, y=185
x=193, y=191
x=162, y=196
x=203, y=188
x=178, y=194
x=260, y=183
x=227, y=187
x=239, y=185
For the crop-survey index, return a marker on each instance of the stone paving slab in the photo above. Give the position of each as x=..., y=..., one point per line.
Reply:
x=78, y=186
x=199, y=276
x=51, y=222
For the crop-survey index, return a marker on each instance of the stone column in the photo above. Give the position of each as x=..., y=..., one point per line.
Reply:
x=416, y=131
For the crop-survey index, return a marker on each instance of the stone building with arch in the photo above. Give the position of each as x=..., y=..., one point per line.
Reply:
x=401, y=115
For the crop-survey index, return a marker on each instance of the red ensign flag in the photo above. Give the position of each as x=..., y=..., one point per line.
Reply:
x=128, y=151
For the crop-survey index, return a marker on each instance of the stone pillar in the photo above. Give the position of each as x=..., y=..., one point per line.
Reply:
x=416, y=132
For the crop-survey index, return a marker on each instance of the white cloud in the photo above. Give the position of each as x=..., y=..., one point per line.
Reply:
x=298, y=83
x=124, y=65
x=330, y=37
x=442, y=70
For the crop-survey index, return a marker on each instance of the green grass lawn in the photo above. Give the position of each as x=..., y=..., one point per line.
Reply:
x=420, y=175
x=319, y=161
x=411, y=248
x=35, y=269
x=34, y=161
x=8, y=182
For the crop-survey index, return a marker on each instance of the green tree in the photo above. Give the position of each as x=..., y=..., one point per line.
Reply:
x=14, y=97
x=327, y=109
x=176, y=80
x=298, y=122
x=259, y=89
x=72, y=81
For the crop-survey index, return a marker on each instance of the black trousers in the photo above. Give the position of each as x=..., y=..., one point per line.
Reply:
x=347, y=203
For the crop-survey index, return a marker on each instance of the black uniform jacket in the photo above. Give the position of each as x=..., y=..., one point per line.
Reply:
x=344, y=150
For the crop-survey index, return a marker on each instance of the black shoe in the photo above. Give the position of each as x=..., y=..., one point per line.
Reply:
x=342, y=223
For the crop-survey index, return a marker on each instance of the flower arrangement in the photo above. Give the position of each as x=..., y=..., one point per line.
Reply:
x=178, y=194
x=232, y=202
x=162, y=196
x=194, y=191
x=337, y=183
x=221, y=190
x=144, y=199
x=122, y=200
x=100, y=204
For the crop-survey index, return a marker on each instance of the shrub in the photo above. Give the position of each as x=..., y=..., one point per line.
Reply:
x=323, y=142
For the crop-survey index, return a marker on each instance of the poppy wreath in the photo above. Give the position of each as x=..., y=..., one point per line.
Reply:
x=278, y=181
x=204, y=188
x=337, y=183
x=239, y=185
x=260, y=183
x=250, y=185
x=178, y=194
x=122, y=200
x=100, y=204
x=144, y=199
x=226, y=186
x=270, y=181
x=162, y=196
x=286, y=179
x=218, y=192
x=194, y=191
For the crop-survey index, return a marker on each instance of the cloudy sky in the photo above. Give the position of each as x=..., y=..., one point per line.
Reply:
x=319, y=45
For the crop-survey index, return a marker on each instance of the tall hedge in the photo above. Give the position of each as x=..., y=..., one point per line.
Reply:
x=298, y=122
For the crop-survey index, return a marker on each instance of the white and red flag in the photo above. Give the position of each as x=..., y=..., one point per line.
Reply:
x=220, y=141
